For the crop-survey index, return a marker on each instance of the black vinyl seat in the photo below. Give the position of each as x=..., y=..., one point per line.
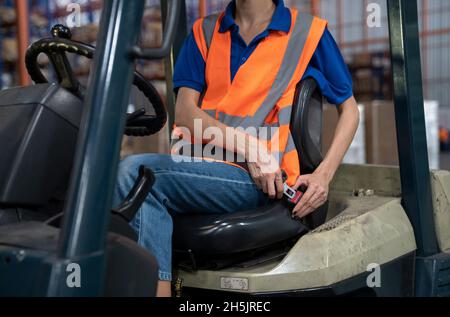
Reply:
x=215, y=235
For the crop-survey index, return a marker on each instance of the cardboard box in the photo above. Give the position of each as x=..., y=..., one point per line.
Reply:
x=9, y=51
x=356, y=154
x=381, y=136
x=376, y=136
x=7, y=15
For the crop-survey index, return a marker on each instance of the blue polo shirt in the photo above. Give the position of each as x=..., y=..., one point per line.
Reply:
x=327, y=65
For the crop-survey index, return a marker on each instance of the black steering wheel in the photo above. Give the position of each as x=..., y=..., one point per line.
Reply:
x=138, y=123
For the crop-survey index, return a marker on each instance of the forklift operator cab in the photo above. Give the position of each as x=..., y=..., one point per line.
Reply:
x=56, y=187
x=39, y=133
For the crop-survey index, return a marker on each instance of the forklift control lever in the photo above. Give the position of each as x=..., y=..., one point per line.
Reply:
x=128, y=209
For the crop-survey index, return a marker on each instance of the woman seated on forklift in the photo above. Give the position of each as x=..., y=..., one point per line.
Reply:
x=246, y=77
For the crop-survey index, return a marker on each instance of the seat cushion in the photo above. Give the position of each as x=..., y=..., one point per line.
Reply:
x=204, y=234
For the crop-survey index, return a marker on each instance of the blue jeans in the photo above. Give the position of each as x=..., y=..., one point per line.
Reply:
x=182, y=187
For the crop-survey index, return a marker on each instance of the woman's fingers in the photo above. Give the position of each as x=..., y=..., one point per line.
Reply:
x=267, y=175
x=279, y=184
x=302, y=180
x=315, y=202
x=308, y=202
x=271, y=186
x=275, y=185
x=314, y=197
x=264, y=185
x=304, y=201
x=255, y=174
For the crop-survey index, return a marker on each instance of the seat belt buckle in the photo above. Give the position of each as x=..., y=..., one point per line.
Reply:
x=292, y=196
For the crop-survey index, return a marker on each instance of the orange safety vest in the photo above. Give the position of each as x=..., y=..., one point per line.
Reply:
x=262, y=92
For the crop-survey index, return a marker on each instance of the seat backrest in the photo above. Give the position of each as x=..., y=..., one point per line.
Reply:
x=38, y=133
x=306, y=124
x=306, y=130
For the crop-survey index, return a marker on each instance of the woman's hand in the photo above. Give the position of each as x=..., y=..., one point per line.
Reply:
x=268, y=181
x=315, y=196
x=318, y=182
x=265, y=170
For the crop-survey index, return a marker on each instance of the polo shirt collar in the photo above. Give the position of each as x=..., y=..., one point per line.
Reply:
x=281, y=19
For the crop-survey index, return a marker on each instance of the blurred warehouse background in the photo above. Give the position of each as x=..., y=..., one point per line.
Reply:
x=365, y=49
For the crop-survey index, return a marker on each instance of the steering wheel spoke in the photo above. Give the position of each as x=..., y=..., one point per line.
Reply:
x=64, y=72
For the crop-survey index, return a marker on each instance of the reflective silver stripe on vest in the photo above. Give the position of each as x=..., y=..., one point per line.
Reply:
x=208, y=26
x=278, y=156
x=284, y=118
x=231, y=120
x=268, y=131
x=284, y=115
x=290, y=146
x=212, y=113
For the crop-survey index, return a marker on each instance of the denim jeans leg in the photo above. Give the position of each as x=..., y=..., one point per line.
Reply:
x=183, y=187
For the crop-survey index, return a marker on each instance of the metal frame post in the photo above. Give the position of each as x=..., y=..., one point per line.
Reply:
x=87, y=210
x=410, y=122
x=169, y=61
